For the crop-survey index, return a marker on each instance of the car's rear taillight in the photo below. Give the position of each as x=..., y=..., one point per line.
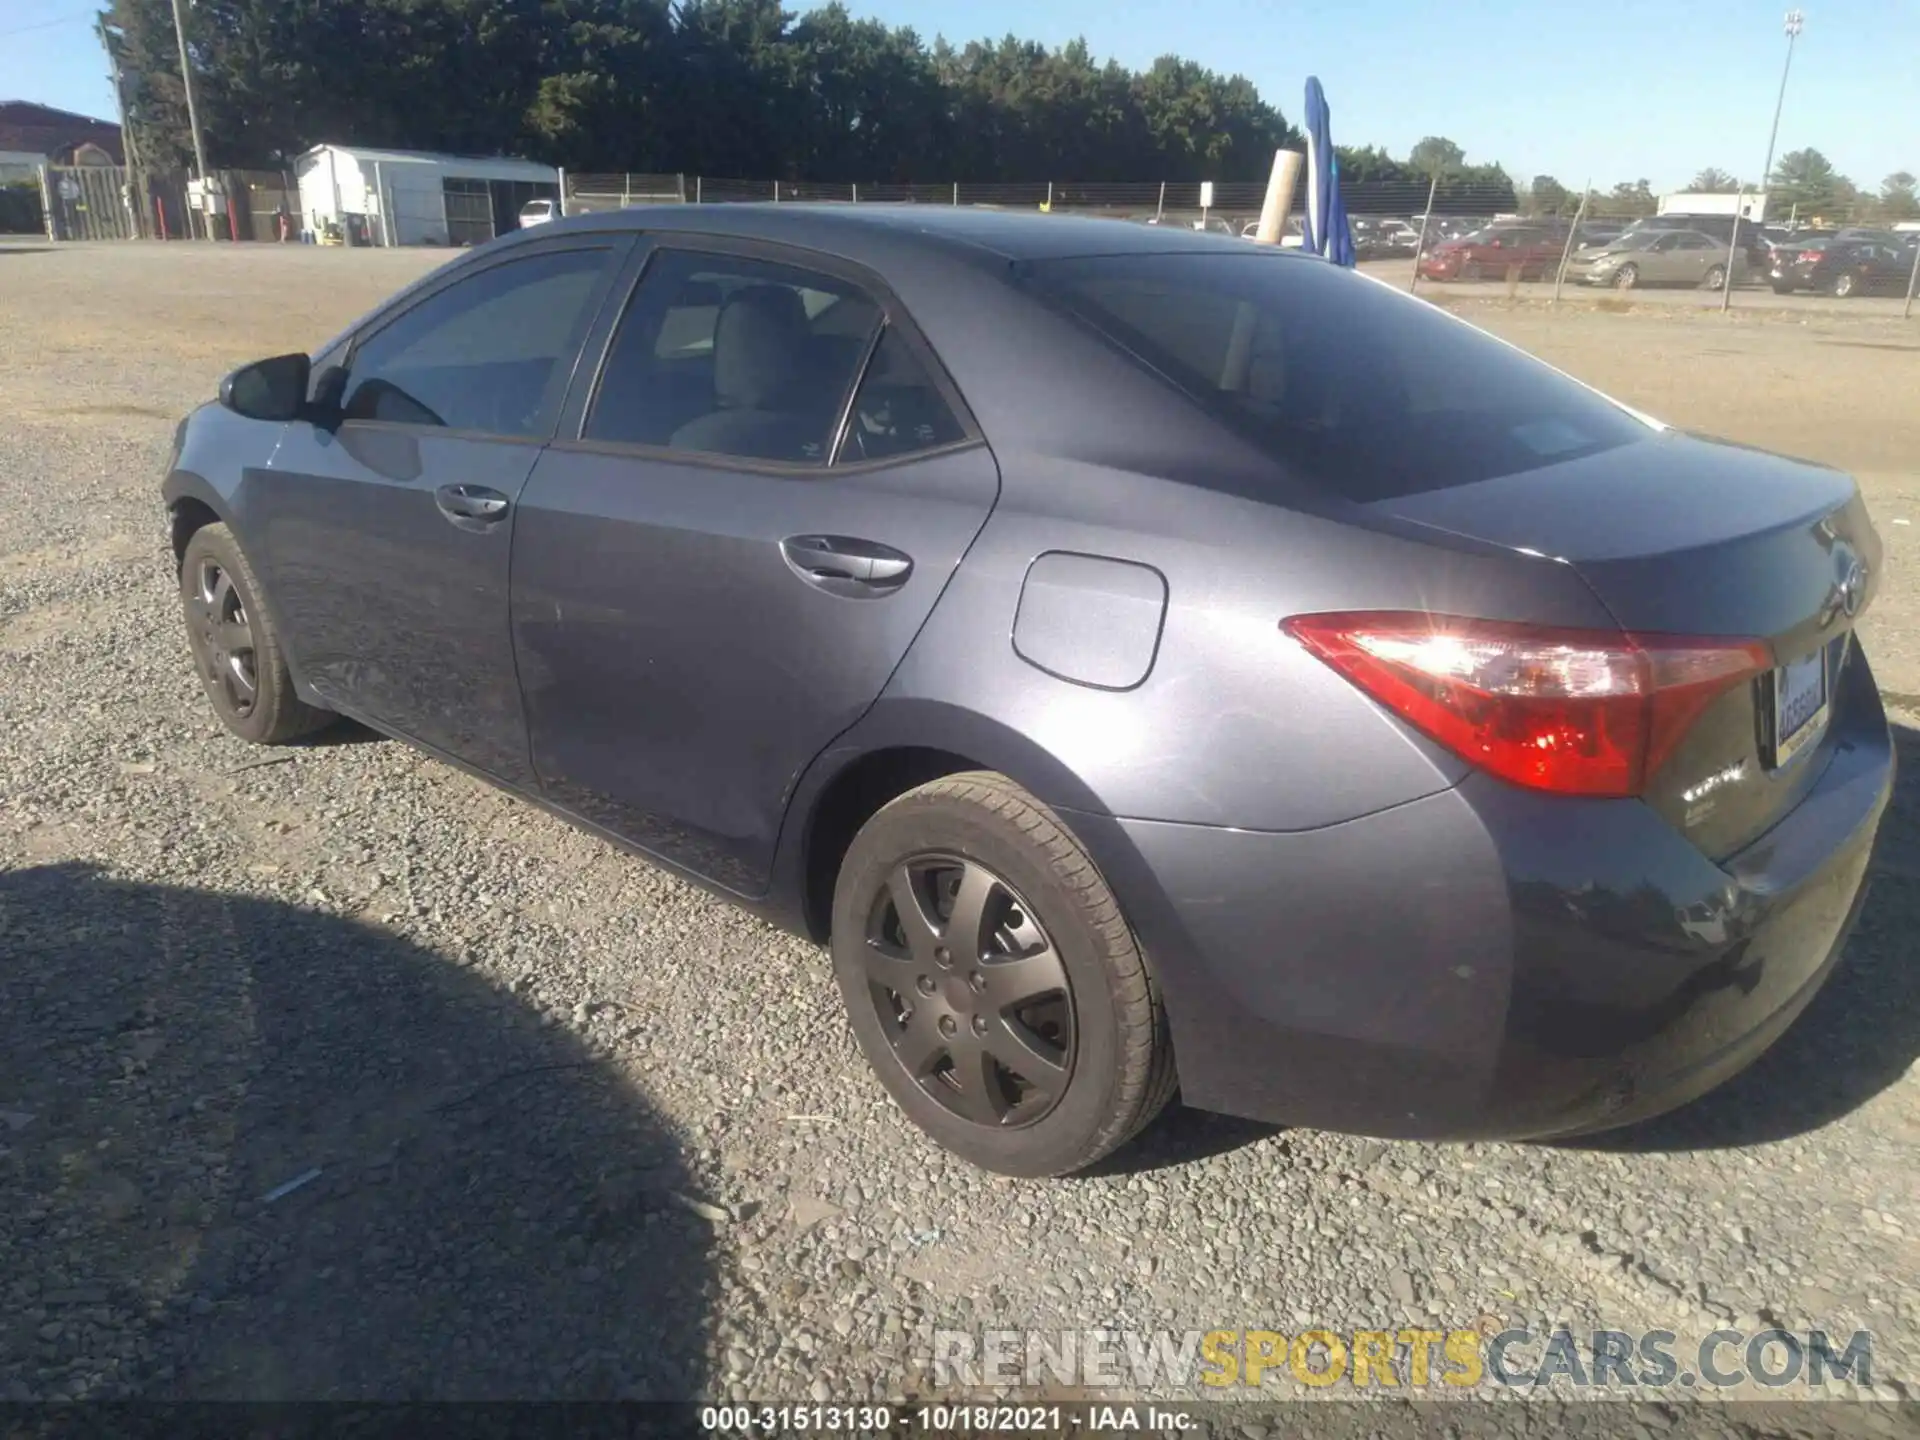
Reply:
x=1576, y=712
x=1809, y=257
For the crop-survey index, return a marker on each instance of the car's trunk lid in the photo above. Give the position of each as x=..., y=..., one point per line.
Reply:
x=1680, y=535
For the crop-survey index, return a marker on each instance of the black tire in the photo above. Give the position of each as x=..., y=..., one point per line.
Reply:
x=1626, y=277
x=1716, y=277
x=1843, y=285
x=236, y=651
x=1783, y=289
x=1104, y=1033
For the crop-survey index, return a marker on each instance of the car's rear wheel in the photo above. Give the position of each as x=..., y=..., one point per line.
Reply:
x=1843, y=284
x=992, y=981
x=1716, y=277
x=1626, y=277
x=236, y=649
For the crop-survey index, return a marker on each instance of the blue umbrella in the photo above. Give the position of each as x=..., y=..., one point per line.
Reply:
x=1327, y=232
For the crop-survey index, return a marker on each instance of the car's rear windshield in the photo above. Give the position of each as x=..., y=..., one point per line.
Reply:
x=1362, y=389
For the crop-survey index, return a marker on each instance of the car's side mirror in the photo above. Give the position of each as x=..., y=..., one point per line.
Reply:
x=273, y=389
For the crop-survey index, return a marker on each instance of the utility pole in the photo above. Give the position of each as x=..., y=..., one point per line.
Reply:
x=136, y=192
x=193, y=117
x=1795, y=20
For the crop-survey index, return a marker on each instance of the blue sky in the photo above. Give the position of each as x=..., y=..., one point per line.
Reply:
x=1608, y=90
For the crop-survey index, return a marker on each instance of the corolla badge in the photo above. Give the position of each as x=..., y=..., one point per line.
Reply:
x=1698, y=797
x=1849, y=591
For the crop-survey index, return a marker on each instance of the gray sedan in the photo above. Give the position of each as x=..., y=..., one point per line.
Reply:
x=1144, y=659
x=1657, y=257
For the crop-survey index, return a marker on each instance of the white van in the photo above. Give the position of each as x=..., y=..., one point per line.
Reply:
x=536, y=212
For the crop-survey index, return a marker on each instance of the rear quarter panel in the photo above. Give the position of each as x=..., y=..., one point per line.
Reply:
x=1234, y=724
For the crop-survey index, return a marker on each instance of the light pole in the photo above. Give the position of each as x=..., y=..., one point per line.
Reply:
x=1794, y=21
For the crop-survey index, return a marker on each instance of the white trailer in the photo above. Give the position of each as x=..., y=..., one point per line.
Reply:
x=1749, y=206
x=413, y=197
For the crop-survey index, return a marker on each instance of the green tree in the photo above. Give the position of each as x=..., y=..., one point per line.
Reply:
x=1712, y=182
x=1806, y=180
x=1437, y=157
x=1547, y=196
x=1372, y=165
x=740, y=88
x=1632, y=197
x=1898, y=200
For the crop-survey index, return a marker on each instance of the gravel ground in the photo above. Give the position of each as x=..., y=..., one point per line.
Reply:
x=581, y=1131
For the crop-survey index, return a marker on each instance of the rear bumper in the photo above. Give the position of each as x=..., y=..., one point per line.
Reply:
x=1487, y=963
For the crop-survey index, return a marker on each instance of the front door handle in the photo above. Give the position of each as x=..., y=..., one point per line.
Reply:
x=846, y=566
x=471, y=507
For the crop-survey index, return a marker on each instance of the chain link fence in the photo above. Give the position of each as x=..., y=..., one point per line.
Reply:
x=1436, y=236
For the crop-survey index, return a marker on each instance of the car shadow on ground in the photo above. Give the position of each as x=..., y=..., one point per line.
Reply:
x=341, y=731
x=257, y=1152
x=1181, y=1136
x=1859, y=1036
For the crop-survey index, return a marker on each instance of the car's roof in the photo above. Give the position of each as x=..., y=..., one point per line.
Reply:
x=871, y=232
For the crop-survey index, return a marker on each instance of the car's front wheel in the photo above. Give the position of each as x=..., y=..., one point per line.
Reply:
x=1626, y=277
x=992, y=981
x=236, y=649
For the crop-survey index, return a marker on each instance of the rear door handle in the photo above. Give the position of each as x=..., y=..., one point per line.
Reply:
x=847, y=566
x=471, y=507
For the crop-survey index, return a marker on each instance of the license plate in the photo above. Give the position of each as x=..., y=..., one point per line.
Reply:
x=1799, y=705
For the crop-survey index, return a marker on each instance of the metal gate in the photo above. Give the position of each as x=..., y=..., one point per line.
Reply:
x=469, y=211
x=90, y=202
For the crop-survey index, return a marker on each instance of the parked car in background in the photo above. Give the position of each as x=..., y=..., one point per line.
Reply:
x=1790, y=262
x=1725, y=230
x=1132, y=655
x=1873, y=235
x=1657, y=257
x=1843, y=267
x=1494, y=252
x=1377, y=239
x=537, y=212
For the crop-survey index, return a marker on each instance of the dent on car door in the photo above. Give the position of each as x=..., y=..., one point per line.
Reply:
x=384, y=535
x=767, y=492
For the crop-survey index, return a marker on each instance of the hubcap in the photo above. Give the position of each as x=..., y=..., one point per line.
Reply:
x=225, y=634
x=970, y=991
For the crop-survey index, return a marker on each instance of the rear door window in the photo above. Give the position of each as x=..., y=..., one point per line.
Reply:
x=726, y=355
x=1363, y=389
x=898, y=410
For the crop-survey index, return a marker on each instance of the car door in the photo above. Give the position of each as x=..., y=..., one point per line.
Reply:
x=756, y=506
x=1661, y=261
x=1891, y=268
x=384, y=535
x=1698, y=254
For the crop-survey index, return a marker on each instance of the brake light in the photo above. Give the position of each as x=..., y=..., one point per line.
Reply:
x=1575, y=712
x=1809, y=257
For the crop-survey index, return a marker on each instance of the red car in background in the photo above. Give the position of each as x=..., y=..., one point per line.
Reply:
x=1489, y=254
